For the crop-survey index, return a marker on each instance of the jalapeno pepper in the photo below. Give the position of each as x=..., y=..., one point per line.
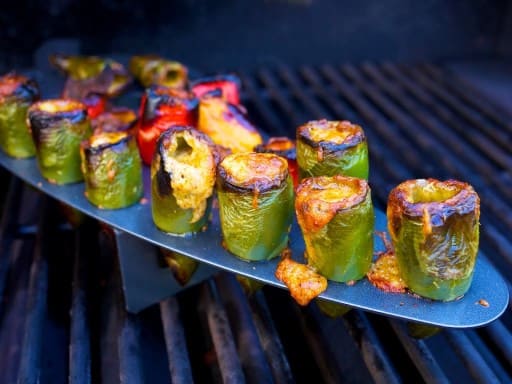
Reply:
x=154, y=70
x=182, y=267
x=284, y=147
x=434, y=227
x=328, y=148
x=58, y=127
x=160, y=109
x=17, y=93
x=91, y=75
x=228, y=84
x=182, y=180
x=255, y=194
x=227, y=125
x=116, y=120
x=112, y=170
x=336, y=217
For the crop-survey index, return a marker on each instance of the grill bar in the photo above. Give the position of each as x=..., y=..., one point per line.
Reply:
x=30, y=364
x=179, y=364
x=80, y=345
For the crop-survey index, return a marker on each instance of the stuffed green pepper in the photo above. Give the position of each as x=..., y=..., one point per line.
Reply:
x=17, y=93
x=328, y=148
x=336, y=217
x=182, y=180
x=434, y=227
x=112, y=170
x=255, y=194
x=58, y=127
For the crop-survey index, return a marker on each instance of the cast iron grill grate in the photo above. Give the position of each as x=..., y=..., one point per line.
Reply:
x=62, y=315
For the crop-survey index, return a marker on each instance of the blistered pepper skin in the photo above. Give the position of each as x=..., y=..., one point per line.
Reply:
x=435, y=240
x=58, y=127
x=17, y=93
x=256, y=218
x=112, y=173
x=260, y=233
x=323, y=157
x=169, y=215
x=338, y=238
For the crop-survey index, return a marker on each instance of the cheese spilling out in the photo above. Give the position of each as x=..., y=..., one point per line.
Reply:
x=191, y=164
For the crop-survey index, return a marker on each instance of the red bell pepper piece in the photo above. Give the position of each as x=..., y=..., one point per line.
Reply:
x=229, y=85
x=160, y=109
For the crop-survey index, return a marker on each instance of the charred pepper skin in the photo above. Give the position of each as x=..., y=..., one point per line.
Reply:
x=434, y=227
x=328, y=148
x=182, y=180
x=336, y=217
x=153, y=70
x=112, y=170
x=58, y=127
x=229, y=86
x=160, y=109
x=255, y=205
x=17, y=93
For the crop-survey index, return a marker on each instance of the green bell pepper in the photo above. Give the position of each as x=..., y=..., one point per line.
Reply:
x=328, y=148
x=154, y=70
x=58, y=127
x=17, y=93
x=434, y=227
x=182, y=180
x=181, y=266
x=255, y=194
x=336, y=217
x=112, y=170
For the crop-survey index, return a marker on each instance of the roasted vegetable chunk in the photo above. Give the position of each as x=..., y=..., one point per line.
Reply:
x=229, y=86
x=153, y=70
x=336, y=217
x=182, y=180
x=255, y=204
x=328, y=148
x=434, y=227
x=17, y=93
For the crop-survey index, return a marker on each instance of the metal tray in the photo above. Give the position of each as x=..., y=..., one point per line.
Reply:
x=206, y=247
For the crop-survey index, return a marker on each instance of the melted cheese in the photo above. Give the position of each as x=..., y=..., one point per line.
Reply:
x=245, y=169
x=191, y=164
x=335, y=132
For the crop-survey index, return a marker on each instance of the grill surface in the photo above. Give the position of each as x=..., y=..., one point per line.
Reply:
x=62, y=312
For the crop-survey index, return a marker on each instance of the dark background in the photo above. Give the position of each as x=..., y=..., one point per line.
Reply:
x=229, y=34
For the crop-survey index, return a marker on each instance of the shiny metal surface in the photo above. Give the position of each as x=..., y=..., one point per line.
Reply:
x=206, y=247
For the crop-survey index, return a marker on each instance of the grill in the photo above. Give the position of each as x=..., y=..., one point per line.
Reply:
x=62, y=312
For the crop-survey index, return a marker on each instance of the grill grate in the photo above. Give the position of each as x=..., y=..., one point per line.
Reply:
x=62, y=316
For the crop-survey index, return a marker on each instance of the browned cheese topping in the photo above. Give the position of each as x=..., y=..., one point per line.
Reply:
x=59, y=105
x=303, y=282
x=384, y=272
x=254, y=171
x=226, y=126
x=430, y=201
x=191, y=163
x=318, y=199
x=106, y=138
x=336, y=132
x=278, y=144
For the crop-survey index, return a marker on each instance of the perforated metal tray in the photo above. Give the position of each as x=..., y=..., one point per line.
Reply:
x=206, y=247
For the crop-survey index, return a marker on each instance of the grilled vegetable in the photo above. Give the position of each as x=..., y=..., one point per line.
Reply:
x=112, y=170
x=182, y=180
x=116, y=120
x=17, y=93
x=255, y=204
x=160, y=109
x=284, y=147
x=58, y=127
x=154, y=70
x=336, y=217
x=96, y=104
x=250, y=286
x=434, y=227
x=302, y=281
x=182, y=267
x=91, y=75
x=332, y=309
x=227, y=125
x=328, y=148
x=229, y=86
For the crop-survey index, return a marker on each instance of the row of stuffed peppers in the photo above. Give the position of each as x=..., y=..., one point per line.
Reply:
x=255, y=190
